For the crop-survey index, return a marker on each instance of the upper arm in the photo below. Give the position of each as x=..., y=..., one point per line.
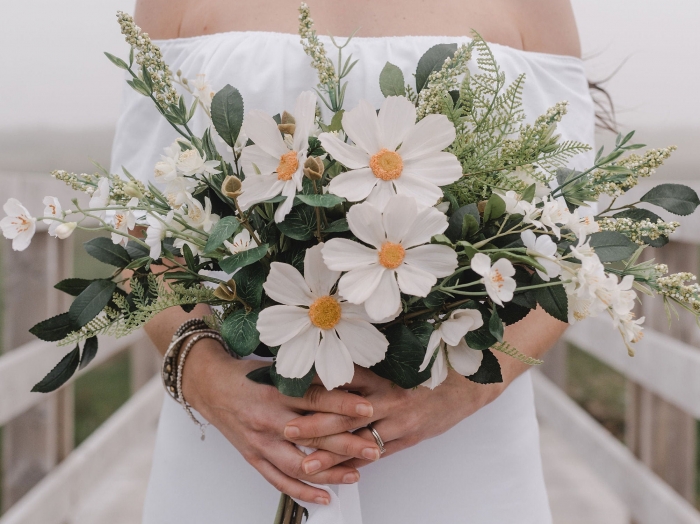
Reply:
x=548, y=26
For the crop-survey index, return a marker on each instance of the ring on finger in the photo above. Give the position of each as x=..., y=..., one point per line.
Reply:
x=377, y=439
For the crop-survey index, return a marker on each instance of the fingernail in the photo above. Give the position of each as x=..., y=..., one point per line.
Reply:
x=350, y=478
x=370, y=453
x=291, y=432
x=311, y=466
x=322, y=500
x=364, y=410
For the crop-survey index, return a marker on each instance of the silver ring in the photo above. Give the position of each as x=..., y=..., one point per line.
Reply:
x=377, y=439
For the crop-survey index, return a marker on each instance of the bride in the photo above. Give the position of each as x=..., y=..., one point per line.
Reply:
x=462, y=453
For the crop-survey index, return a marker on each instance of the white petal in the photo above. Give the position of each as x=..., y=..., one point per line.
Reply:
x=424, y=191
x=14, y=208
x=304, y=114
x=278, y=324
x=22, y=240
x=317, y=275
x=399, y=215
x=357, y=285
x=366, y=344
x=289, y=189
x=438, y=373
x=396, y=117
x=264, y=162
x=433, y=343
x=362, y=126
x=295, y=357
x=529, y=239
x=353, y=185
x=385, y=299
x=428, y=223
x=263, y=131
x=433, y=133
x=381, y=193
x=333, y=361
x=365, y=221
x=504, y=266
x=465, y=360
x=459, y=324
x=341, y=254
x=258, y=188
x=440, y=168
x=351, y=157
x=414, y=281
x=285, y=285
x=435, y=259
x=481, y=264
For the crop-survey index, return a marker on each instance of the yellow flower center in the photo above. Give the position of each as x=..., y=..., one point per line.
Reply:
x=497, y=278
x=288, y=166
x=391, y=255
x=325, y=312
x=386, y=164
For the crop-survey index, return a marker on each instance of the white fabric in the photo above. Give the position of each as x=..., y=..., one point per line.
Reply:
x=485, y=470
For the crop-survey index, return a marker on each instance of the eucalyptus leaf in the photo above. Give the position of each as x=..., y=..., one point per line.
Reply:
x=60, y=374
x=53, y=329
x=136, y=250
x=261, y=375
x=240, y=332
x=611, y=246
x=495, y=208
x=104, y=250
x=676, y=198
x=227, y=113
x=391, y=81
x=432, y=60
x=339, y=226
x=327, y=200
x=243, y=258
x=91, y=302
x=461, y=227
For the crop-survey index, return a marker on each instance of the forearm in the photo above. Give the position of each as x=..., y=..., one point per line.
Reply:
x=160, y=328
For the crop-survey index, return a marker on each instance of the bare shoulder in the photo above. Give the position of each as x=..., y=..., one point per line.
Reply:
x=161, y=19
x=547, y=26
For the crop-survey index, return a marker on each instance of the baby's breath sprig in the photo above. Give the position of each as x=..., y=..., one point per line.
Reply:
x=120, y=191
x=639, y=231
x=675, y=288
x=633, y=167
x=441, y=82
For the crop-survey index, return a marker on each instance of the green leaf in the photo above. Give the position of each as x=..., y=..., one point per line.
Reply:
x=403, y=358
x=327, y=200
x=136, y=250
x=240, y=333
x=189, y=258
x=529, y=193
x=249, y=283
x=104, y=250
x=339, y=226
x=227, y=113
x=73, y=286
x=432, y=60
x=261, y=375
x=223, y=230
x=490, y=370
x=480, y=338
x=292, y=387
x=53, y=329
x=611, y=246
x=495, y=207
x=513, y=312
x=520, y=259
x=139, y=86
x=553, y=299
x=139, y=262
x=244, y=258
x=391, y=81
x=91, y=302
x=89, y=351
x=496, y=326
x=299, y=224
x=337, y=121
x=639, y=214
x=676, y=198
x=60, y=374
x=117, y=61
x=461, y=227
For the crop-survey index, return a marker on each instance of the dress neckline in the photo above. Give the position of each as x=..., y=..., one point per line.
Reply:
x=212, y=36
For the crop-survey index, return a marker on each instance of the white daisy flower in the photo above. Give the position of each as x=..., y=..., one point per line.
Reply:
x=241, y=242
x=451, y=347
x=18, y=226
x=155, y=233
x=542, y=249
x=497, y=277
x=393, y=154
x=53, y=209
x=398, y=260
x=313, y=326
x=124, y=220
x=271, y=167
x=190, y=163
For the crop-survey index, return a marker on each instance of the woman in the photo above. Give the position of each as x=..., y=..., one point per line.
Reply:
x=463, y=452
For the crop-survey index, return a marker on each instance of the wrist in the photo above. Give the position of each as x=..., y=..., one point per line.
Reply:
x=206, y=356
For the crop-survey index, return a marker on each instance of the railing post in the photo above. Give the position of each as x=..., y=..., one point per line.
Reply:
x=34, y=442
x=143, y=363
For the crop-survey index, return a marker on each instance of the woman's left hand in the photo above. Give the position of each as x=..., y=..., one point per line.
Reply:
x=402, y=417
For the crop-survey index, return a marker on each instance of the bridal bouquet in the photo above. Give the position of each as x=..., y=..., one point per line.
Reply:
x=401, y=238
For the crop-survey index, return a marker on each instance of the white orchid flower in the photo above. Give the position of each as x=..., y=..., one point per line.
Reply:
x=497, y=277
x=393, y=154
x=18, y=226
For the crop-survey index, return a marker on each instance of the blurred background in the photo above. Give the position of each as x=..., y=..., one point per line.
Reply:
x=619, y=435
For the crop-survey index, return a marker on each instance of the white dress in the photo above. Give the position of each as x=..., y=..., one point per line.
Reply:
x=485, y=470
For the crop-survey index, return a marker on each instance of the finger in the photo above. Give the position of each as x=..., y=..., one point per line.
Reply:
x=288, y=459
x=343, y=444
x=365, y=381
x=392, y=442
x=321, y=425
x=319, y=399
x=391, y=448
x=290, y=486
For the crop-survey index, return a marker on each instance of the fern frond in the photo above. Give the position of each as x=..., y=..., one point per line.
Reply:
x=509, y=350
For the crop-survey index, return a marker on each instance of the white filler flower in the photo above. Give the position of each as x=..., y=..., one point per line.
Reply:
x=18, y=226
x=393, y=154
x=397, y=260
x=497, y=277
x=52, y=209
x=449, y=341
x=270, y=166
x=314, y=326
x=155, y=233
x=241, y=242
x=542, y=249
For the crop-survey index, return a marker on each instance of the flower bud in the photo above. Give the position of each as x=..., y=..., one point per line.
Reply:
x=231, y=186
x=287, y=124
x=287, y=118
x=65, y=230
x=226, y=291
x=132, y=189
x=481, y=206
x=313, y=168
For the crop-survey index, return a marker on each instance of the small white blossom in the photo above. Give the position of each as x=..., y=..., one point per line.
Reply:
x=544, y=251
x=64, y=230
x=18, y=226
x=179, y=191
x=166, y=168
x=497, y=277
x=52, y=209
x=241, y=242
x=203, y=90
x=555, y=214
x=155, y=233
x=100, y=197
x=191, y=163
x=582, y=226
x=124, y=220
x=200, y=216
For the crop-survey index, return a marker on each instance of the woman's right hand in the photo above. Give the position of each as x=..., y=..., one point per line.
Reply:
x=253, y=417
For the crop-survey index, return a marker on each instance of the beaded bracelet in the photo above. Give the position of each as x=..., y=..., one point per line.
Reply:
x=169, y=365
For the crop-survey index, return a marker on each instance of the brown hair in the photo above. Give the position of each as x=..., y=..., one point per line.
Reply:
x=605, y=117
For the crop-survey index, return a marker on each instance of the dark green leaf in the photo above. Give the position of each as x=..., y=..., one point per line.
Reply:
x=404, y=356
x=136, y=250
x=240, y=333
x=91, y=302
x=339, y=226
x=139, y=262
x=89, y=351
x=496, y=326
x=553, y=299
x=73, y=286
x=432, y=60
x=460, y=227
x=261, y=375
x=391, y=81
x=244, y=258
x=223, y=230
x=292, y=387
x=189, y=258
x=249, y=283
x=300, y=223
x=639, y=214
x=263, y=351
x=53, y=329
x=327, y=200
x=513, y=312
x=676, y=198
x=495, y=207
x=58, y=376
x=227, y=113
x=104, y=250
x=490, y=370
x=611, y=246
